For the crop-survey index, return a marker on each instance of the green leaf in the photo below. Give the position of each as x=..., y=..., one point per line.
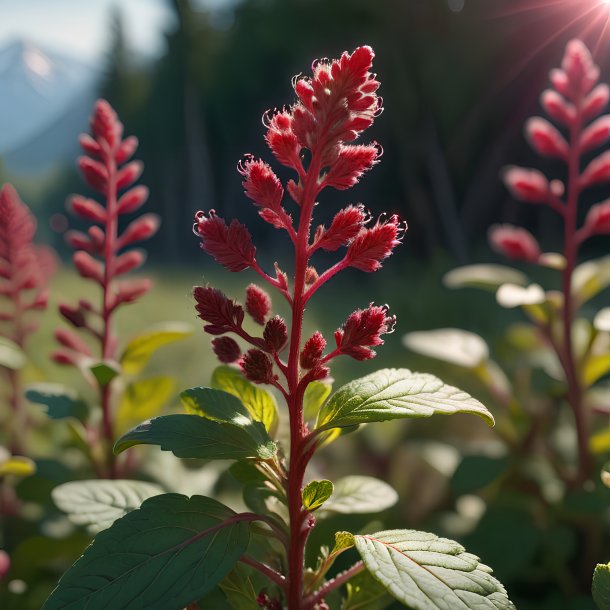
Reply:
x=138, y=351
x=365, y=593
x=595, y=367
x=315, y=395
x=395, y=394
x=97, y=504
x=477, y=471
x=170, y=552
x=601, y=586
x=487, y=277
x=191, y=436
x=223, y=407
x=452, y=345
x=105, y=372
x=257, y=401
x=11, y=355
x=426, y=572
x=61, y=402
x=142, y=400
x=590, y=278
x=239, y=590
x=316, y=493
x=360, y=495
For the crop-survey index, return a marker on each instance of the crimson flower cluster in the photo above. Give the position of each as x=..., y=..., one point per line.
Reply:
x=25, y=268
x=314, y=138
x=573, y=102
x=100, y=252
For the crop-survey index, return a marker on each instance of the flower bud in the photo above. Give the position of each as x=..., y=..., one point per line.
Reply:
x=140, y=229
x=257, y=367
x=88, y=267
x=261, y=184
x=94, y=173
x=129, y=261
x=352, y=162
x=222, y=314
x=80, y=241
x=226, y=349
x=362, y=330
x=129, y=291
x=557, y=107
x=105, y=124
x=129, y=174
x=132, y=200
x=74, y=315
x=371, y=246
x=89, y=145
x=514, y=243
x=346, y=224
x=598, y=219
x=258, y=303
x=275, y=334
x=72, y=341
x=596, y=101
x=560, y=81
x=312, y=350
x=596, y=134
x=64, y=358
x=527, y=184
x=231, y=246
x=598, y=171
x=88, y=209
x=282, y=140
x=580, y=70
x=311, y=276
x=126, y=149
x=546, y=139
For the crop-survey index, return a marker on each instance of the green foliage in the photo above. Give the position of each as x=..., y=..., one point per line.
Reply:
x=426, y=572
x=487, y=277
x=365, y=593
x=97, y=504
x=256, y=400
x=105, y=372
x=139, y=350
x=315, y=395
x=316, y=493
x=357, y=494
x=165, y=554
x=395, y=394
x=191, y=436
x=239, y=590
x=61, y=402
x=601, y=586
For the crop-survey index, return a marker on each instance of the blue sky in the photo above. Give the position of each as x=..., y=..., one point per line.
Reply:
x=80, y=27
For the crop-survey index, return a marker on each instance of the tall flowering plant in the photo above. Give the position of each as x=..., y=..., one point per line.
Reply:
x=174, y=550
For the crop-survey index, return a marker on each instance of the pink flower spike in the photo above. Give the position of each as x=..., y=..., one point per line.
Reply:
x=222, y=314
x=132, y=200
x=258, y=303
x=88, y=267
x=275, y=334
x=514, y=243
x=546, y=139
x=126, y=149
x=128, y=261
x=557, y=107
x=596, y=101
x=226, y=349
x=579, y=68
x=597, y=172
x=95, y=173
x=371, y=246
x=257, y=367
x=362, y=330
x=596, y=134
x=129, y=174
x=231, y=246
x=105, y=124
x=312, y=350
x=140, y=229
x=527, y=184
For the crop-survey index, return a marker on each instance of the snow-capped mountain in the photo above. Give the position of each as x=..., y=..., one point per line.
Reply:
x=45, y=99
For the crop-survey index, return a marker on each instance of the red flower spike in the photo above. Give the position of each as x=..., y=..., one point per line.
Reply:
x=140, y=229
x=132, y=200
x=222, y=314
x=546, y=139
x=231, y=246
x=351, y=163
x=226, y=349
x=258, y=303
x=318, y=372
x=579, y=68
x=598, y=219
x=362, y=330
x=557, y=107
x=257, y=367
x=514, y=243
x=275, y=334
x=346, y=224
x=596, y=134
x=282, y=140
x=371, y=246
x=527, y=184
x=312, y=350
x=105, y=124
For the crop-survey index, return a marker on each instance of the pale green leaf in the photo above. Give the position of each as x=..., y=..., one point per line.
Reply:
x=223, y=407
x=365, y=593
x=97, y=504
x=170, y=552
x=191, y=436
x=316, y=493
x=512, y=295
x=138, y=351
x=602, y=320
x=315, y=395
x=60, y=401
x=590, y=278
x=601, y=586
x=142, y=400
x=343, y=541
x=489, y=277
x=11, y=355
x=396, y=394
x=258, y=401
x=358, y=494
x=426, y=572
x=239, y=590
x=452, y=345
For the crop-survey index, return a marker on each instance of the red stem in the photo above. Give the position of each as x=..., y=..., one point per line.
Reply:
x=333, y=584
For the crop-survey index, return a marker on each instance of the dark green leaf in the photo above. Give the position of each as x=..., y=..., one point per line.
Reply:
x=162, y=556
x=477, y=471
x=394, y=394
x=191, y=436
x=316, y=493
x=61, y=402
x=426, y=572
x=105, y=372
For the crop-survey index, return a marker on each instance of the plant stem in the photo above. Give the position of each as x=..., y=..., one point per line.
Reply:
x=108, y=347
x=299, y=528
x=334, y=583
x=270, y=573
x=571, y=253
